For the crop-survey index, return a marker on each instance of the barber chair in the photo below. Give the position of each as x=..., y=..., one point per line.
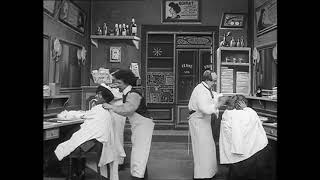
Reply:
x=77, y=160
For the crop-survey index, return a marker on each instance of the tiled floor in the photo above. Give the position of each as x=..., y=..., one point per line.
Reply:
x=167, y=161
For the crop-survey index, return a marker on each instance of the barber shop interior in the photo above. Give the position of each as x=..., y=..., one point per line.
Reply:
x=160, y=89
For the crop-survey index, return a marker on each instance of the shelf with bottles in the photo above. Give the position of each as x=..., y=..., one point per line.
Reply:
x=234, y=70
x=135, y=40
x=118, y=32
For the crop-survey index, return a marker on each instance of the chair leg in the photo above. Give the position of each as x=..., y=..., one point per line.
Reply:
x=99, y=173
x=146, y=174
x=69, y=176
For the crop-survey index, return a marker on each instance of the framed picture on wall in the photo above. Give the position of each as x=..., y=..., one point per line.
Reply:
x=181, y=11
x=233, y=21
x=74, y=17
x=266, y=17
x=115, y=54
x=51, y=6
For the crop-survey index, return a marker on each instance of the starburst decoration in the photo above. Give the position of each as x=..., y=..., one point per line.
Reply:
x=157, y=51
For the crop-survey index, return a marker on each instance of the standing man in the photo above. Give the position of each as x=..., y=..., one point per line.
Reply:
x=203, y=102
x=134, y=108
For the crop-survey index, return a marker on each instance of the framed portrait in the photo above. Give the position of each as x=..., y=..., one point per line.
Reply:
x=115, y=54
x=233, y=21
x=51, y=6
x=71, y=15
x=181, y=11
x=266, y=17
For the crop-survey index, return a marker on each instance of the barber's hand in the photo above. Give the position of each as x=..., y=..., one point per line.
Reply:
x=241, y=104
x=106, y=106
x=221, y=101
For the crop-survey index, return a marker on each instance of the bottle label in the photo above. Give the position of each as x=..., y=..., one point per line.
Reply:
x=134, y=30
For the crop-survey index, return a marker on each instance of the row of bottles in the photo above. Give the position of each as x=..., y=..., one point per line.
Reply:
x=233, y=43
x=118, y=29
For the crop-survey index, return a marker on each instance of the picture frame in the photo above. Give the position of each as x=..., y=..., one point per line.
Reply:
x=51, y=6
x=73, y=16
x=181, y=11
x=233, y=20
x=115, y=54
x=266, y=17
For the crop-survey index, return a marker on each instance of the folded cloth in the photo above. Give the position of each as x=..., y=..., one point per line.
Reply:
x=70, y=115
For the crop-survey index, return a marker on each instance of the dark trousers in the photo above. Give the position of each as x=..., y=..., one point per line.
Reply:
x=254, y=168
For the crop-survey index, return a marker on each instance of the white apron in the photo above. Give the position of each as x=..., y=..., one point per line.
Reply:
x=142, y=129
x=203, y=146
x=119, y=126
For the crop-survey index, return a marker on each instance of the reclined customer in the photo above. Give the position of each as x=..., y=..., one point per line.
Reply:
x=99, y=125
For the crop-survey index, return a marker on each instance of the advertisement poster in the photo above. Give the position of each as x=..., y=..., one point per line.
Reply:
x=181, y=11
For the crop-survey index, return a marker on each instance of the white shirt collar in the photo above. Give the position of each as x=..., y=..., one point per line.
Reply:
x=205, y=84
x=127, y=89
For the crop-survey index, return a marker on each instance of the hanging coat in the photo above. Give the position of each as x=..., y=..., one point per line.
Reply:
x=203, y=145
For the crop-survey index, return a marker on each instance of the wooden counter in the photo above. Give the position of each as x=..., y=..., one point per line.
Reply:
x=51, y=130
x=50, y=125
x=266, y=107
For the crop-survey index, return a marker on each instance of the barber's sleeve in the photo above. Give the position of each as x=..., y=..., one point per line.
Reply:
x=130, y=106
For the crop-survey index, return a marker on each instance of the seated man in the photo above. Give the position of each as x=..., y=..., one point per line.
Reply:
x=243, y=141
x=99, y=125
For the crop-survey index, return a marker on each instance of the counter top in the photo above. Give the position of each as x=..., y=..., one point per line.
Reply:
x=261, y=98
x=251, y=97
x=56, y=97
x=55, y=122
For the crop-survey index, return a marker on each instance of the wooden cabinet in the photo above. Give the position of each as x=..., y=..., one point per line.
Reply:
x=160, y=76
x=175, y=62
x=234, y=70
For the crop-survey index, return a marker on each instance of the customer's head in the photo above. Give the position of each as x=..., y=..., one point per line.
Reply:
x=209, y=77
x=233, y=102
x=239, y=99
x=103, y=94
x=124, y=78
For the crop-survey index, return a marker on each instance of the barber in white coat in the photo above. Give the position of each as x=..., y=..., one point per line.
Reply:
x=134, y=108
x=203, y=102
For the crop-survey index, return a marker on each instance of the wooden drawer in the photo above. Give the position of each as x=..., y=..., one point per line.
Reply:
x=271, y=131
x=51, y=134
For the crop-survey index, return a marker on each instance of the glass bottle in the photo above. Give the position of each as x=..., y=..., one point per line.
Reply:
x=238, y=43
x=116, y=29
x=232, y=42
x=127, y=30
x=99, y=31
x=242, y=42
x=133, y=28
x=124, y=32
x=105, y=29
x=120, y=29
